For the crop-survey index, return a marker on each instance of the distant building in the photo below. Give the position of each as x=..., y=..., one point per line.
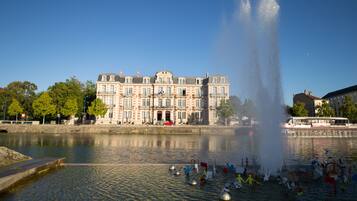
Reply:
x=311, y=102
x=159, y=98
x=336, y=97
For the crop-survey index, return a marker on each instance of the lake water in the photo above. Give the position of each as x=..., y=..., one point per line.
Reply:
x=135, y=167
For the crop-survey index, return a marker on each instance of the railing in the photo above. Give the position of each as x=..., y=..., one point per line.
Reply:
x=19, y=122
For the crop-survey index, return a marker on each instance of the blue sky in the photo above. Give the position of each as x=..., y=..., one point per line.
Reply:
x=45, y=41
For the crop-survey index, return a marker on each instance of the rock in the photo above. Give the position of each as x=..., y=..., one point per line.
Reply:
x=8, y=156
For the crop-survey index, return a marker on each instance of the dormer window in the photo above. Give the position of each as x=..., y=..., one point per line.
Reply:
x=198, y=81
x=146, y=80
x=111, y=78
x=223, y=80
x=181, y=80
x=128, y=79
x=214, y=80
x=104, y=78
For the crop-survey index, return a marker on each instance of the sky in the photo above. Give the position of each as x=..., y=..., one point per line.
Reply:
x=48, y=41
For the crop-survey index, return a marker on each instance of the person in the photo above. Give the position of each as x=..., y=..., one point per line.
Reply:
x=250, y=180
x=239, y=179
x=266, y=175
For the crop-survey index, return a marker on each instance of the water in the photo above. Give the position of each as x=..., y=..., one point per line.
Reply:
x=138, y=165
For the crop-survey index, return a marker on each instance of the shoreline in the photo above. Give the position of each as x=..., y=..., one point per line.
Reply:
x=313, y=132
x=114, y=129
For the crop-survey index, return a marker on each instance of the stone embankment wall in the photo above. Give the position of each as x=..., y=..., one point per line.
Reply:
x=332, y=132
x=8, y=156
x=101, y=129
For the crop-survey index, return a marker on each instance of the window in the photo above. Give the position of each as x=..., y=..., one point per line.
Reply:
x=182, y=91
x=223, y=90
x=198, y=103
x=181, y=80
x=214, y=90
x=104, y=88
x=110, y=114
x=168, y=102
x=169, y=91
x=223, y=80
x=181, y=103
x=112, y=88
x=145, y=102
x=127, y=103
x=146, y=80
x=128, y=80
x=160, y=79
x=160, y=102
x=198, y=92
x=128, y=91
x=110, y=100
x=214, y=80
x=181, y=115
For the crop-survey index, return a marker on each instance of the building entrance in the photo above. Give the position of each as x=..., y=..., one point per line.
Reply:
x=159, y=115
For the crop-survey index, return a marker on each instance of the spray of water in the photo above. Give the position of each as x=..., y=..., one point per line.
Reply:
x=249, y=45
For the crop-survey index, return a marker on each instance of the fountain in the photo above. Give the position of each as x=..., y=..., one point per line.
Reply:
x=250, y=47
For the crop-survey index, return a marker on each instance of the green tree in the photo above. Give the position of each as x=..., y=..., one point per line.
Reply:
x=60, y=92
x=225, y=110
x=325, y=110
x=349, y=109
x=237, y=105
x=288, y=110
x=70, y=108
x=5, y=100
x=97, y=108
x=43, y=106
x=24, y=92
x=15, y=108
x=299, y=110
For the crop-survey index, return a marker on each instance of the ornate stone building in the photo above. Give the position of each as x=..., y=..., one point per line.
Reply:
x=163, y=97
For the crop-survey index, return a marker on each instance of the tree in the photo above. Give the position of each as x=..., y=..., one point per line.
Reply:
x=225, y=110
x=248, y=108
x=325, y=110
x=97, y=108
x=349, y=109
x=5, y=100
x=70, y=108
x=299, y=110
x=24, y=92
x=60, y=92
x=237, y=105
x=15, y=108
x=288, y=110
x=43, y=106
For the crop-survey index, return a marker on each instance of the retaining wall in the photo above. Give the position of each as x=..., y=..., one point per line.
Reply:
x=110, y=129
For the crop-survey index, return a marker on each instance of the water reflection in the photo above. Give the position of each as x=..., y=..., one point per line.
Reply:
x=86, y=148
x=129, y=148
